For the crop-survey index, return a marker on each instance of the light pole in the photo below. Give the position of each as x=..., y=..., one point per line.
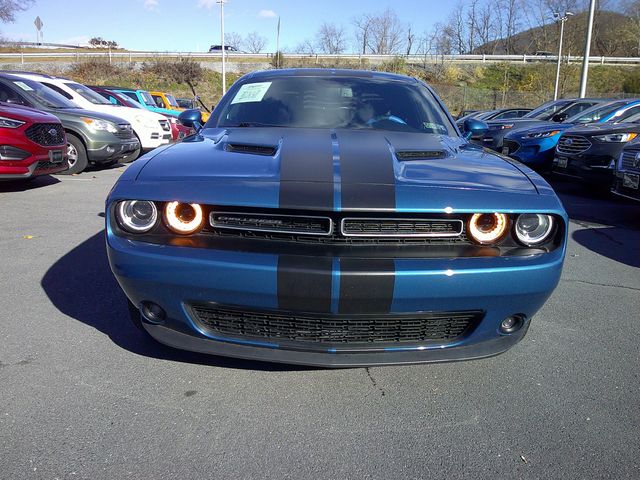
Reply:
x=563, y=18
x=587, y=51
x=224, y=67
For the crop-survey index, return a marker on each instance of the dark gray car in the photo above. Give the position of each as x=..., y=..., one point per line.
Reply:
x=93, y=138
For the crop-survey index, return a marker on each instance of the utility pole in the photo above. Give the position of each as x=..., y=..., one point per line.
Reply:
x=224, y=67
x=563, y=18
x=587, y=51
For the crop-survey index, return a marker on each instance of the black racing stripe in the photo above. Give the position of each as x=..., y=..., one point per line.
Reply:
x=306, y=171
x=304, y=283
x=366, y=285
x=366, y=168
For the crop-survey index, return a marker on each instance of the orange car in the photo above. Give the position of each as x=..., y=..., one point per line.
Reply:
x=168, y=101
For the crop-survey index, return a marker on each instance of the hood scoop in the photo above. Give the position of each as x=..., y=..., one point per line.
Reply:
x=408, y=155
x=265, y=150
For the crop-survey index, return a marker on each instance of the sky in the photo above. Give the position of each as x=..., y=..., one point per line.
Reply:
x=194, y=25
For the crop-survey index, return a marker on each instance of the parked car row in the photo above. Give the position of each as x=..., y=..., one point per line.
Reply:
x=99, y=126
x=592, y=140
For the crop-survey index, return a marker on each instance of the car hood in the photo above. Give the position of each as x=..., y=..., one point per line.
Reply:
x=604, y=128
x=537, y=128
x=516, y=122
x=128, y=113
x=75, y=113
x=351, y=162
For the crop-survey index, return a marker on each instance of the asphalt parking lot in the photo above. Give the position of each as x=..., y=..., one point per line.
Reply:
x=85, y=395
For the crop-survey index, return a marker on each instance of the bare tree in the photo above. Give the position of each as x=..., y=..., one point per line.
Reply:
x=472, y=24
x=386, y=34
x=632, y=10
x=331, y=38
x=306, y=46
x=485, y=25
x=362, y=25
x=410, y=39
x=9, y=8
x=233, y=39
x=511, y=22
x=254, y=42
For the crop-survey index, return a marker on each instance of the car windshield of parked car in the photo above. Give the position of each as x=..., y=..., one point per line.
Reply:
x=625, y=116
x=88, y=94
x=41, y=95
x=631, y=119
x=172, y=100
x=595, y=113
x=547, y=110
x=334, y=102
x=148, y=99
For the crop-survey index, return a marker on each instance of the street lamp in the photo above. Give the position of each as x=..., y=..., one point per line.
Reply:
x=587, y=51
x=224, y=69
x=563, y=17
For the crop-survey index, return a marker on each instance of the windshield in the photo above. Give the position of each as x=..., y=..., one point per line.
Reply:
x=44, y=96
x=632, y=118
x=547, y=110
x=171, y=100
x=334, y=102
x=88, y=94
x=595, y=113
x=148, y=99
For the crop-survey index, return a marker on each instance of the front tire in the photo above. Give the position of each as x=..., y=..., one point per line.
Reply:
x=77, y=155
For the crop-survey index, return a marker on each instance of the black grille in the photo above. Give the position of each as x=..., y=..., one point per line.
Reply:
x=46, y=134
x=165, y=125
x=47, y=165
x=629, y=161
x=364, y=330
x=396, y=227
x=572, y=144
x=124, y=131
x=272, y=223
x=420, y=154
x=253, y=149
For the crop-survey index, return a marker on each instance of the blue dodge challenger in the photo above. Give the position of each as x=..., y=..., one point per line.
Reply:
x=334, y=218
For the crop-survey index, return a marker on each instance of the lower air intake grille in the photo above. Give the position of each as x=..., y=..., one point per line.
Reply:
x=335, y=329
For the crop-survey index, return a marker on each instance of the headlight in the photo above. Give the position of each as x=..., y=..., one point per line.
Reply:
x=183, y=217
x=137, y=216
x=146, y=122
x=616, y=137
x=549, y=133
x=96, y=125
x=487, y=228
x=506, y=126
x=533, y=228
x=10, y=123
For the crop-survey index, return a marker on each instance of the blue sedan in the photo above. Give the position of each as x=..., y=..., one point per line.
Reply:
x=334, y=218
x=535, y=146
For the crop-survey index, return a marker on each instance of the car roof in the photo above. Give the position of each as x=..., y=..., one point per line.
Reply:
x=327, y=72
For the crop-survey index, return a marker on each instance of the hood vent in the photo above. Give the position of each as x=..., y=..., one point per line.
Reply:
x=407, y=155
x=266, y=150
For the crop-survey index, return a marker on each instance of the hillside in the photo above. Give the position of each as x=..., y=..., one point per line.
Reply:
x=613, y=35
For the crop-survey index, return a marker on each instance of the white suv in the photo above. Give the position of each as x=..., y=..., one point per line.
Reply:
x=152, y=129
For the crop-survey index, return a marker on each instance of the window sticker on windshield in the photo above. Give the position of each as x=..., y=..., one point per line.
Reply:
x=435, y=127
x=251, y=92
x=24, y=86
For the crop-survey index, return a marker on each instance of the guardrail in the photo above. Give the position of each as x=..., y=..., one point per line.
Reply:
x=131, y=56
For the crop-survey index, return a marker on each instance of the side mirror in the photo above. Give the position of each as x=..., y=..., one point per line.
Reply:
x=559, y=117
x=474, y=128
x=191, y=118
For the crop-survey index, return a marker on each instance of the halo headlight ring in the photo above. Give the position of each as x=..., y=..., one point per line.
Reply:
x=488, y=228
x=183, y=218
x=136, y=216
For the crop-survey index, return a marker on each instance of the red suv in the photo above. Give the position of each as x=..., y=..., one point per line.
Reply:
x=32, y=143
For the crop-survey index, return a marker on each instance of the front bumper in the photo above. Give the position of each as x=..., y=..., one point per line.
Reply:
x=535, y=154
x=594, y=169
x=33, y=166
x=109, y=151
x=177, y=277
